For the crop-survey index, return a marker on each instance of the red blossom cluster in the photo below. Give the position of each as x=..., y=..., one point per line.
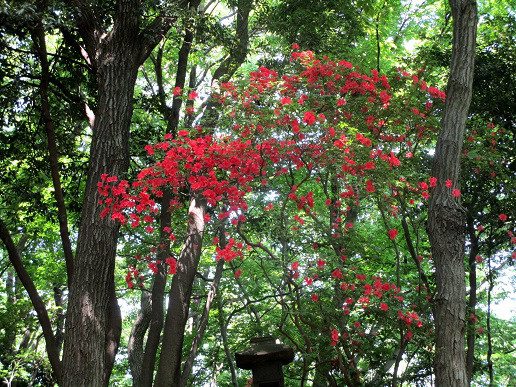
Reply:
x=325, y=115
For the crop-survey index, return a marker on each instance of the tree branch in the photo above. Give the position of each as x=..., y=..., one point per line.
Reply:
x=156, y=30
x=39, y=306
x=38, y=37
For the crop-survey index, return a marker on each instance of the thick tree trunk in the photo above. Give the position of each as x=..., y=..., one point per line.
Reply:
x=93, y=319
x=446, y=219
x=93, y=323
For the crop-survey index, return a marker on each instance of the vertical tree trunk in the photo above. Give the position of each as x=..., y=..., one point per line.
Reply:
x=93, y=318
x=171, y=115
x=93, y=323
x=169, y=368
x=224, y=335
x=488, y=325
x=446, y=218
x=187, y=369
x=472, y=301
x=60, y=320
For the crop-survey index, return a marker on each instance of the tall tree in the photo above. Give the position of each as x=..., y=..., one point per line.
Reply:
x=114, y=43
x=446, y=218
x=93, y=321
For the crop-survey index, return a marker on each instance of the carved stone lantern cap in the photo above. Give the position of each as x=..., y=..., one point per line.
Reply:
x=264, y=350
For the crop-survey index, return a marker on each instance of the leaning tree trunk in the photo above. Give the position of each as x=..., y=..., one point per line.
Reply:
x=446, y=218
x=169, y=369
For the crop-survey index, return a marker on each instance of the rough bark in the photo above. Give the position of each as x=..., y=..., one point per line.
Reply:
x=93, y=323
x=92, y=295
x=446, y=219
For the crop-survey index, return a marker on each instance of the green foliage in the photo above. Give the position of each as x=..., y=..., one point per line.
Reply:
x=265, y=299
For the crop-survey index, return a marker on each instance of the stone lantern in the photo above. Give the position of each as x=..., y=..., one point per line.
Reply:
x=266, y=359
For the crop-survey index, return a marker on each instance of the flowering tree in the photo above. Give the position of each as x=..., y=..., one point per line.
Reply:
x=323, y=155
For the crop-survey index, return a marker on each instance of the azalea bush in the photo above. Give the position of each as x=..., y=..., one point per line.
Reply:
x=318, y=179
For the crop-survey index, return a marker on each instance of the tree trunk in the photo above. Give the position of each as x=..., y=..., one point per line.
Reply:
x=93, y=319
x=187, y=369
x=93, y=323
x=472, y=301
x=171, y=114
x=37, y=302
x=488, y=324
x=169, y=369
x=446, y=217
x=224, y=335
x=135, y=343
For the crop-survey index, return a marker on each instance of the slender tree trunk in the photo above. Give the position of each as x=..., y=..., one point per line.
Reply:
x=169, y=368
x=187, y=369
x=224, y=334
x=37, y=302
x=59, y=300
x=488, y=322
x=472, y=301
x=135, y=344
x=446, y=219
x=38, y=38
x=171, y=115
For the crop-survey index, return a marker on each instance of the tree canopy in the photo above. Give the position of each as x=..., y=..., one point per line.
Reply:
x=178, y=178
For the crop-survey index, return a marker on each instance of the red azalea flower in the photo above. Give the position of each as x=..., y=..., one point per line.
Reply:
x=309, y=118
